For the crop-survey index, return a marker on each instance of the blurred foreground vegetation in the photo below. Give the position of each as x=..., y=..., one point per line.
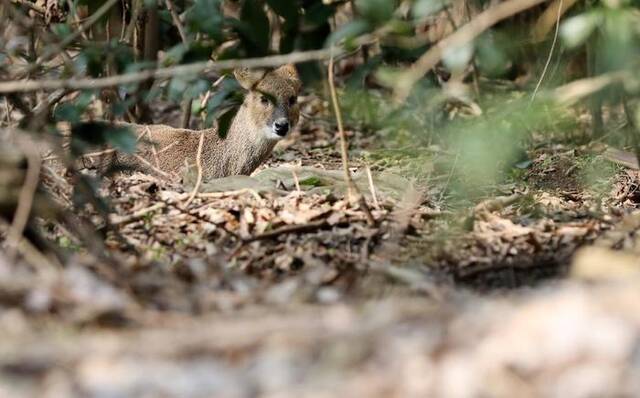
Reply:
x=513, y=80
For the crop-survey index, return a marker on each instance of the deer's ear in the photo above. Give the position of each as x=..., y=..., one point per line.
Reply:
x=289, y=72
x=248, y=78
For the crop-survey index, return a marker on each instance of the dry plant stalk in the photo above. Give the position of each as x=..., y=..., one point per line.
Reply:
x=372, y=188
x=196, y=188
x=553, y=46
x=25, y=202
x=353, y=193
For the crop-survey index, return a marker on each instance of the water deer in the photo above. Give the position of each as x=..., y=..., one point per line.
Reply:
x=269, y=112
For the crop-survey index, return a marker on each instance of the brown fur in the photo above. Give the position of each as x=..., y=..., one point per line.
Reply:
x=246, y=145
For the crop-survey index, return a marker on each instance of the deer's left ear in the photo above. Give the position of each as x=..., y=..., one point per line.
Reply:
x=248, y=78
x=289, y=72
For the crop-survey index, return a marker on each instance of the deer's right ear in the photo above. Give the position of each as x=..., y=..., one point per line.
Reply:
x=248, y=78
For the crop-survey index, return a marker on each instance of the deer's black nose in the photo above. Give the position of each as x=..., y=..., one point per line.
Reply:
x=281, y=126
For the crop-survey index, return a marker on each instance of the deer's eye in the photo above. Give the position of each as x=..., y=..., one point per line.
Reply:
x=264, y=100
x=293, y=100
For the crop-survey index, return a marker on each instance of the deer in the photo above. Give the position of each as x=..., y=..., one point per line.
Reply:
x=268, y=113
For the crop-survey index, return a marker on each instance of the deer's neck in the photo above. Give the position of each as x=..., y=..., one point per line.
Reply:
x=243, y=149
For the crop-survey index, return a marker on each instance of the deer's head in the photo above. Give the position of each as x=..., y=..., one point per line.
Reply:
x=272, y=99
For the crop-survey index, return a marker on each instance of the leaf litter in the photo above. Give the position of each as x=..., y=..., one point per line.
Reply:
x=273, y=285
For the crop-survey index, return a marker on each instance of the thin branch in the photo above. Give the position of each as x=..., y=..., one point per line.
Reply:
x=176, y=21
x=116, y=220
x=186, y=104
x=95, y=17
x=573, y=92
x=152, y=167
x=459, y=38
x=29, y=85
x=287, y=230
x=353, y=193
x=74, y=14
x=196, y=188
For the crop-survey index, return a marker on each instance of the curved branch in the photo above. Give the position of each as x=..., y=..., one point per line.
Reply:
x=194, y=68
x=462, y=36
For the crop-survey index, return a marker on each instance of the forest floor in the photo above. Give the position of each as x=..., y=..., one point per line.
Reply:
x=277, y=286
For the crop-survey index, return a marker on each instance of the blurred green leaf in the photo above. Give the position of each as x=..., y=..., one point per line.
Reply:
x=424, y=8
x=254, y=28
x=68, y=112
x=349, y=31
x=120, y=137
x=228, y=95
x=206, y=16
x=61, y=30
x=317, y=14
x=175, y=54
x=86, y=135
x=490, y=58
x=576, y=30
x=287, y=9
x=72, y=111
x=457, y=58
x=312, y=181
x=224, y=121
x=375, y=12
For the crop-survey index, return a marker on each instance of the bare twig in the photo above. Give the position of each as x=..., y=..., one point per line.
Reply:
x=573, y=92
x=296, y=180
x=154, y=168
x=115, y=220
x=28, y=85
x=287, y=230
x=136, y=5
x=25, y=202
x=498, y=203
x=353, y=193
x=8, y=111
x=253, y=193
x=223, y=194
x=459, y=38
x=176, y=21
x=196, y=188
x=372, y=188
x=74, y=14
x=95, y=17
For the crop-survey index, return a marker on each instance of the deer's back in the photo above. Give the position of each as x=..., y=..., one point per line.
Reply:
x=164, y=149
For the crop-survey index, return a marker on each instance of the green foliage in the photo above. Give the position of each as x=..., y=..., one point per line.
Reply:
x=91, y=135
x=205, y=17
x=253, y=28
